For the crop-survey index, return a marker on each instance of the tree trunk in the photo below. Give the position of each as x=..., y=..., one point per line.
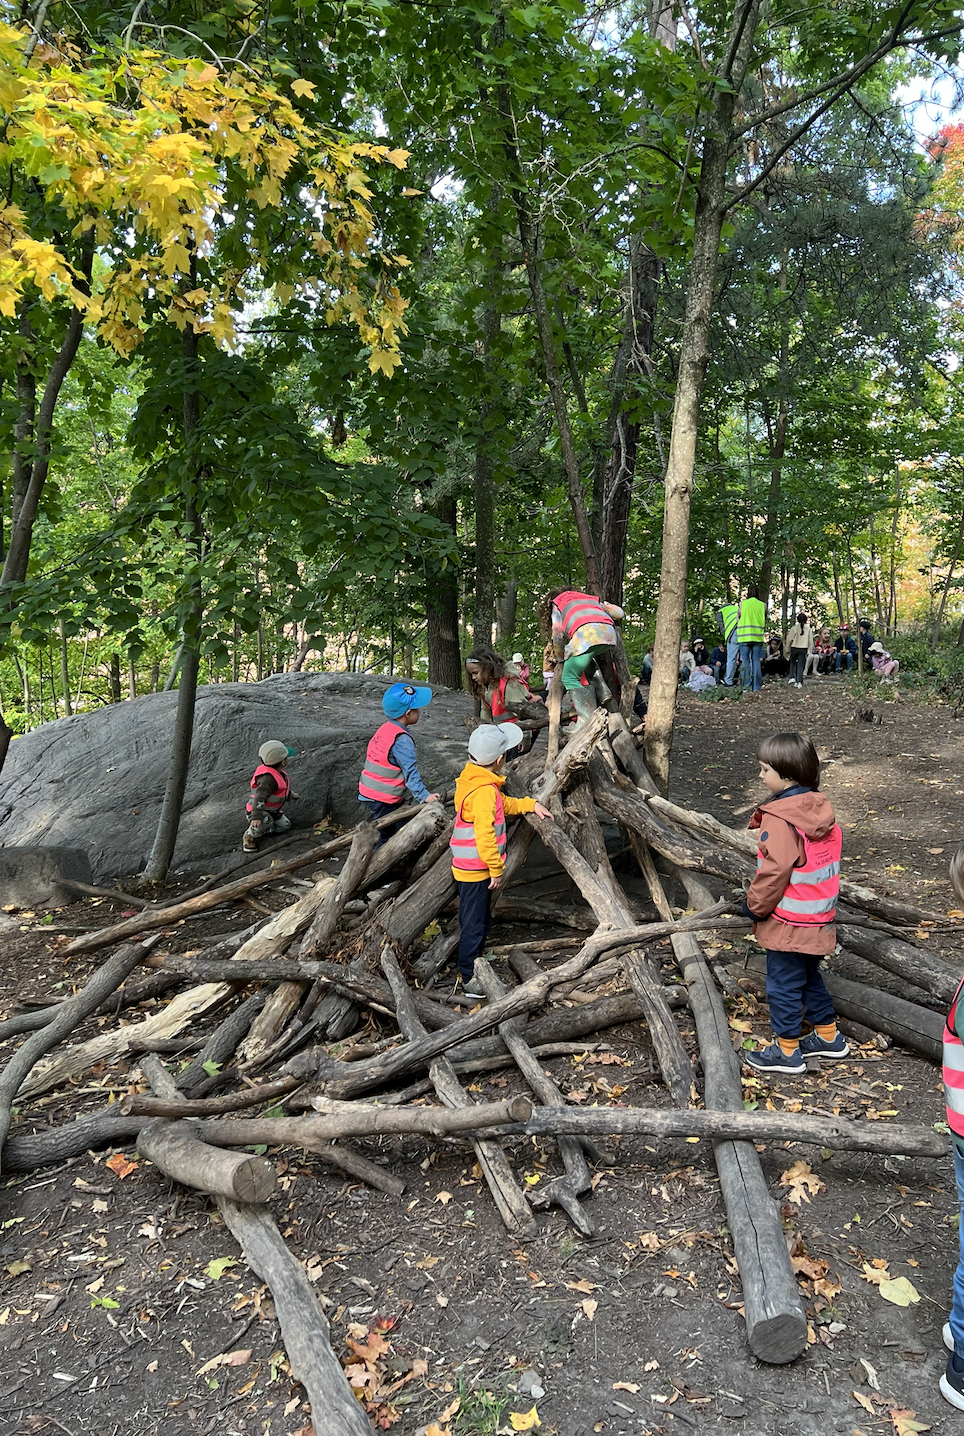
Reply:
x=442, y=611
x=114, y=678
x=64, y=673
x=955, y=556
x=694, y=355
x=483, y=613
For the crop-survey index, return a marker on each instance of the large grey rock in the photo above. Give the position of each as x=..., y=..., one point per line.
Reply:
x=96, y=780
x=31, y=877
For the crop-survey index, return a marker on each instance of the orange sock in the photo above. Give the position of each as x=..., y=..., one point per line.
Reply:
x=788, y=1045
x=826, y=1031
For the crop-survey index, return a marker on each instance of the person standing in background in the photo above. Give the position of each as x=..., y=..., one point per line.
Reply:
x=799, y=646
x=727, y=617
x=750, y=628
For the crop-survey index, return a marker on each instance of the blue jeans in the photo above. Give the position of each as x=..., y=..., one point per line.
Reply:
x=375, y=810
x=475, y=920
x=751, y=656
x=847, y=659
x=732, y=654
x=957, y=1300
x=795, y=987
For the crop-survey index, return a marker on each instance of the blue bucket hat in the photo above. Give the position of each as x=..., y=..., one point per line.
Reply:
x=401, y=698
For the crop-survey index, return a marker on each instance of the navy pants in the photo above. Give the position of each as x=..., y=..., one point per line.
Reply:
x=475, y=920
x=378, y=810
x=795, y=989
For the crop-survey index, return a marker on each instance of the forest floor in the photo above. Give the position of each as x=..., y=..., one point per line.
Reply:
x=117, y=1290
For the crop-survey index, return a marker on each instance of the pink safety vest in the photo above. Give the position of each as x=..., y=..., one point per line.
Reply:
x=465, y=852
x=381, y=779
x=575, y=609
x=497, y=703
x=276, y=802
x=953, y=1070
x=810, y=897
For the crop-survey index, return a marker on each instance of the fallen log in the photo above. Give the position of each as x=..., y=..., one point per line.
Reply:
x=138, y=1105
x=564, y=1191
x=222, y=1044
x=917, y=1028
x=506, y=1192
x=886, y=1138
x=70, y=1012
x=333, y=1121
x=776, y=1323
x=915, y=964
x=491, y=1064
x=631, y=807
x=175, y=1150
x=304, y=1327
x=435, y=956
x=513, y=909
x=325, y=921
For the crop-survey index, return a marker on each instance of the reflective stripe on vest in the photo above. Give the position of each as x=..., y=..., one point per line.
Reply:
x=465, y=852
x=729, y=614
x=953, y=1070
x=276, y=802
x=381, y=778
x=810, y=897
x=751, y=622
x=575, y=609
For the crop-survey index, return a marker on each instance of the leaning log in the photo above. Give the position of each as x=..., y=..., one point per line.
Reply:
x=70, y=1013
x=140, y=1105
x=325, y=921
x=776, y=1323
x=841, y=1135
x=506, y=1192
x=304, y=1327
x=222, y=1043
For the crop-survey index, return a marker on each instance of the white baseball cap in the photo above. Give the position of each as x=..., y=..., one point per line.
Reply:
x=517, y=658
x=491, y=740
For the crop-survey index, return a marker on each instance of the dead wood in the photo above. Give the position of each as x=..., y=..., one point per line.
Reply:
x=518, y=909
x=563, y=1191
x=117, y=894
x=175, y=1150
x=506, y=1192
x=143, y=1106
x=891, y=1138
x=435, y=956
x=304, y=1328
x=492, y=1064
x=436, y=849
x=69, y=1014
x=222, y=1044
x=334, y=1121
x=325, y=921
x=914, y=964
x=554, y=704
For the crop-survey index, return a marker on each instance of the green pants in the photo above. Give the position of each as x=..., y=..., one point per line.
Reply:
x=576, y=665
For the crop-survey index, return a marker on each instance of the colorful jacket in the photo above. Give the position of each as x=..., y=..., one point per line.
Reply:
x=478, y=798
x=581, y=622
x=269, y=791
x=785, y=823
x=953, y=1070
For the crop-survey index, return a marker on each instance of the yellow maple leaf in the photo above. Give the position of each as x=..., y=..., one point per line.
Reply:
x=385, y=360
x=303, y=87
x=524, y=1420
x=904, y=1423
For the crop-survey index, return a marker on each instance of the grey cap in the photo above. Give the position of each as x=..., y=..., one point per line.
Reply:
x=274, y=752
x=491, y=740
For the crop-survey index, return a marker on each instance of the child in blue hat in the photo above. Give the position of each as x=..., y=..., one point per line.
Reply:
x=391, y=764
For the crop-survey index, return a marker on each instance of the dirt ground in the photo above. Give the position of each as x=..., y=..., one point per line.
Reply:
x=117, y=1290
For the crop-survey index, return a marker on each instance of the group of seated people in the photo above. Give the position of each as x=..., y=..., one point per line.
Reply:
x=701, y=668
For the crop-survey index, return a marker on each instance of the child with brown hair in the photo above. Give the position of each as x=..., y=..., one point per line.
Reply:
x=792, y=901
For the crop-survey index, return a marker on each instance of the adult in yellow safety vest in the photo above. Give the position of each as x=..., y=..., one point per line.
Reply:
x=727, y=616
x=750, y=629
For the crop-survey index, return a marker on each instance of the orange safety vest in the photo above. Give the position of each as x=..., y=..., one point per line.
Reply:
x=810, y=897
x=497, y=701
x=575, y=609
x=381, y=779
x=465, y=852
x=276, y=802
x=952, y=1067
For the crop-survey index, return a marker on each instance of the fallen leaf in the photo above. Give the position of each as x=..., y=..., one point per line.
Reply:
x=151, y=1366
x=876, y=1271
x=626, y=1386
x=427, y=1262
x=120, y=1165
x=17, y=1268
x=864, y=1401
x=215, y=1269
x=442, y=1300
x=802, y=1182
x=651, y=1366
x=900, y=1291
x=871, y=1374
x=444, y=1198
x=589, y=1307
x=451, y=1409
x=904, y=1423
x=582, y=1285
x=524, y=1421
x=226, y=1358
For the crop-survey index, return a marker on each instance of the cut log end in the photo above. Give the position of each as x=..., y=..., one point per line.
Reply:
x=778, y=1339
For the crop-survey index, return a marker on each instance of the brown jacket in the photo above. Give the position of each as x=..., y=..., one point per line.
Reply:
x=781, y=849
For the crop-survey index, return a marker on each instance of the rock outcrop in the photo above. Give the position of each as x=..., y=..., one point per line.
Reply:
x=95, y=781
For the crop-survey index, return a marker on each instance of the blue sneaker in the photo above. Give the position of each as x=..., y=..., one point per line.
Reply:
x=774, y=1059
x=814, y=1046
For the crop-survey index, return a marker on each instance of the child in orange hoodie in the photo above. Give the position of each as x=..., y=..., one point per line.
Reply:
x=793, y=902
x=478, y=841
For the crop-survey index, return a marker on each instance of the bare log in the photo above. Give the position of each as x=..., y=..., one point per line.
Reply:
x=174, y=1148
x=116, y=894
x=223, y=1042
x=70, y=1012
x=304, y=1328
x=563, y=1191
x=915, y=964
x=435, y=956
x=506, y=1192
x=142, y=1106
x=325, y=921
x=516, y=909
x=890, y=1138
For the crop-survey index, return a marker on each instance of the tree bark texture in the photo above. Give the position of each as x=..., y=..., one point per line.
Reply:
x=442, y=610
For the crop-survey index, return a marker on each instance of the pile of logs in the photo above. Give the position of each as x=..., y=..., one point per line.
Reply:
x=292, y=992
